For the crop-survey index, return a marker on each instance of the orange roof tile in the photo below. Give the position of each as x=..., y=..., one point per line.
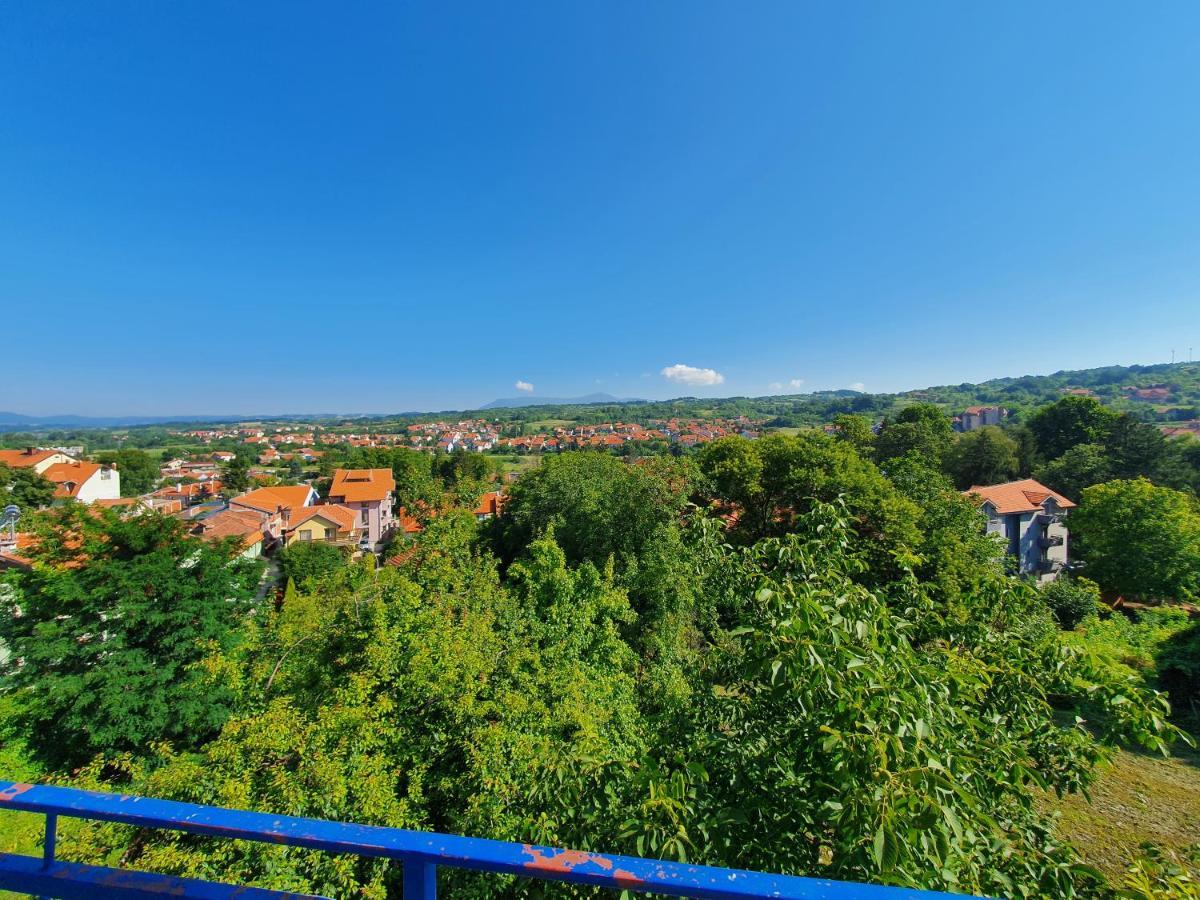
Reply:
x=269, y=499
x=240, y=523
x=69, y=477
x=490, y=504
x=23, y=459
x=340, y=516
x=359, y=485
x=1021, y=496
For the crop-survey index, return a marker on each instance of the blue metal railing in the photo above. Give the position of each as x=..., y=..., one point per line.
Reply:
x=420, y=853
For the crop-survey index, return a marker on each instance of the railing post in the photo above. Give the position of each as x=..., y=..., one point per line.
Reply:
x=50, y=840
x=420, y=880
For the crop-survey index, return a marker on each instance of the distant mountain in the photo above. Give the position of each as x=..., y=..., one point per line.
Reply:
x=10, y=421
x=557, y=401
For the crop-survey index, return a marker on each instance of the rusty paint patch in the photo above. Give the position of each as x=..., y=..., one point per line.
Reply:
x=563, y=860
x=14, y=790
x=625, y=878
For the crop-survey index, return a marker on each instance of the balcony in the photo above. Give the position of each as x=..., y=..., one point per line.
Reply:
x=1054, y=540
x=420, y=853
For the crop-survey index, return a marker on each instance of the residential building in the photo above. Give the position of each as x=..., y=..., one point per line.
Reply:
x=74, y=479
x=489, y=505
x=329, y=522
x=33, y=458
x=371, y=492
x=280, y=504
x=1029, y=517
x=188, y=494
x=246, y=525
x=978, y=416
x=84, y=481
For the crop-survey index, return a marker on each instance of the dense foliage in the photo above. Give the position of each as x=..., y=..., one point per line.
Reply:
x=1140, y=540
x=780, y=656
x=109, y=631
x=25, y=488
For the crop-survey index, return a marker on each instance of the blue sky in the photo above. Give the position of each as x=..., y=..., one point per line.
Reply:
x=288, y=207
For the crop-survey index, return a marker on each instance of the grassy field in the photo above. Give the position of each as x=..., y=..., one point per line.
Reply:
x=550, y=424
x=1137, y=798
x=515, y=462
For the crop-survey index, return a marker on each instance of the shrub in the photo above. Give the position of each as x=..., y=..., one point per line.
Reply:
x=1071, y=600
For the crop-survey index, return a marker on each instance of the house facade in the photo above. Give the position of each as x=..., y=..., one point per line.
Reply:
x=279, y=504
x=1030, y=519
x=73, y=479
x=330, y=523
x=371, y=493
x=978, y=416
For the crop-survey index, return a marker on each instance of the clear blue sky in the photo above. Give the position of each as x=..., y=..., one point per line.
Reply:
x=287, y=207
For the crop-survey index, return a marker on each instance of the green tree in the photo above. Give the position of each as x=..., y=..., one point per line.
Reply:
x=1139, y=540
x=1071, y=599
x=794, y=472
x=235, y=474
x=600, y=506
x=1069, y=422
x=856, y=430
x=109, y=629
x=1079, y=468
x=25, y=487
x=295, y=468
x=981, y=457
x=921, y=428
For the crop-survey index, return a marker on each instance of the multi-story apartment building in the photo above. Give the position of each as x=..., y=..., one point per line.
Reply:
x=1030, y=519
x=371, y=492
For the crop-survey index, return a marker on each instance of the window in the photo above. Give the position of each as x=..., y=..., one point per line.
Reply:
x=366, y=518
x=306, y=535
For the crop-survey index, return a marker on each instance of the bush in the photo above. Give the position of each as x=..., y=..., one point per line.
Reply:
x=311, y=560
x=1071, y=600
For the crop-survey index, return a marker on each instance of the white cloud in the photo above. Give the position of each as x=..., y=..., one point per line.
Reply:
x=796, y=383
x=690, y=375
x=523, y=386
x=858, y=386
x=775, y=386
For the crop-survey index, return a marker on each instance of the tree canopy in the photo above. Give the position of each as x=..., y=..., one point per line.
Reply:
x=1140, y=540
x=109, y=629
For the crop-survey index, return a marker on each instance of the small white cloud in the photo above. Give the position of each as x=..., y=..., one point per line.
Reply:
x=690, y=375
x=523, y=386
x=775, y=386
x=796, y=383
x=858, y=386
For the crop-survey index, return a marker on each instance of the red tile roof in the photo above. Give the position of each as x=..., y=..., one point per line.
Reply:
x=342, y=517
x=269, y=499
x=240, y=523
x=1021, y=496
x=361, y=485
x=70, y=477
x=23, y=459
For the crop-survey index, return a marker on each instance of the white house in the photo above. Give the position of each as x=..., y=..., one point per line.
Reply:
x=74, y=479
